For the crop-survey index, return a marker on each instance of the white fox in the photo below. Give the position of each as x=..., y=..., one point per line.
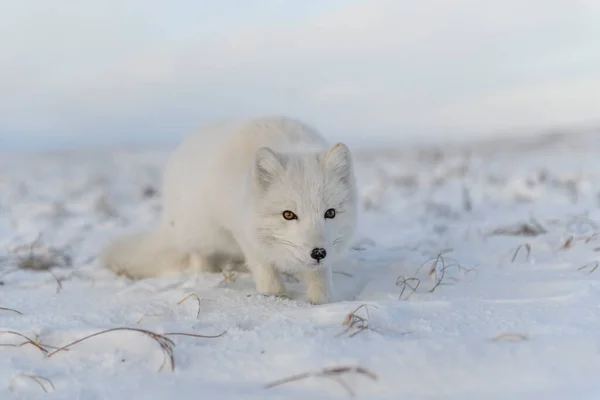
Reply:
x=268, y=192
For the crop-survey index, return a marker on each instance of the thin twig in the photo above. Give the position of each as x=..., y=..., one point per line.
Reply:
x=332, y=373
x=433, y=270
x=38, y=379
x=165, y=343
x=353, y=320
x=510, y=337
x=404, y=283
x=586, y=266
x=195, y=335
x=27, y=341
x=527, y=247
x=439, y=274
x=11, y=309
x=343, y=273
x=228, y=276
x=58, y=284
x=568, y=243
x=139, y=321
x=197, y=298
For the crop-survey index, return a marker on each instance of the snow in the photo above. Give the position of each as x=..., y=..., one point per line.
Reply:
x=502, y=324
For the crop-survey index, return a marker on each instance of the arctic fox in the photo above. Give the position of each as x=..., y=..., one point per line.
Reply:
x=268, y=192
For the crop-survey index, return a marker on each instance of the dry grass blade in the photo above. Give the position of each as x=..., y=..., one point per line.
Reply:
x=34, y=343
x=532, y=228
x=40, y=258
x=467, y=202
x=407, y=283
x=527, y=247
x=343, y=273
x=38, y=379
x=568, y=243
x=591, y=238
x=439, y=276
x=11, y=310
x=197, y=299
x=167, y=345
x=195, y=335
x=355, y=321
x=139, y=321
x=510, y=337
x=586, y=266
x=228, y=276
x=332, y=373
x=164, y=342
x=36, y=257
x=58, y=284
x=435, y=271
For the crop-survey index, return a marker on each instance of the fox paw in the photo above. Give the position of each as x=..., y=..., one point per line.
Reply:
x=318, y=298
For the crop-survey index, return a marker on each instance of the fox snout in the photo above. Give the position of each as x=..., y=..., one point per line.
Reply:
x=318, y=253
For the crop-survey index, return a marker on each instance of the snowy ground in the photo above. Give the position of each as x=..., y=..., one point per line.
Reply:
x=489, y=322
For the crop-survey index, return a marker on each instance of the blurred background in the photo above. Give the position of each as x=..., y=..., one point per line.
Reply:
x=133, y=72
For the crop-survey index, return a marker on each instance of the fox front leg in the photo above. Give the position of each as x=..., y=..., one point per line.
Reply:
x=319, y=286
x=267, y=279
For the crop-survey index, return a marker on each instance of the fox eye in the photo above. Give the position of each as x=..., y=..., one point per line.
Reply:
x=330, y=213
x=288, y=215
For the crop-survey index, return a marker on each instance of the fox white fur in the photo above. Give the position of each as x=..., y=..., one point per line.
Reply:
x=225, y=189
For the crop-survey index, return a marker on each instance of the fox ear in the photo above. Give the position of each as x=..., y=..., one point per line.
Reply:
x=339, y=161
x=268, y=165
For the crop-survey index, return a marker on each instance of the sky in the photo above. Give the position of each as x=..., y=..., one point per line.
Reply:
x=126, y=71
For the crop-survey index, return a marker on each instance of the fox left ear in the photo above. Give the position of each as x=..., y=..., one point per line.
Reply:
x=339, y=160
x=268, y=166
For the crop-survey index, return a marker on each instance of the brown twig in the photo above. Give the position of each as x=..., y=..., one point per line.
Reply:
x=58, y=284
x=467, y=202
x=440, y=274
x=195, y=335
x=334, y=373
x=11, y=309
x=353, y=320
x=439, y=279
x=527, y=247
x=409, y=283
x=228, y=276
x=38, y=379
x=343, y=273
x=593, y=236
x=35, y=260
x=532, y=228
x=52, y=257
x=139, y=321
x=586, y=266
x=510, y=337
x=34, y=343
x=413, y=282
x=197, y=299
x=568, y=243
x=167, y=345
x=433, y=272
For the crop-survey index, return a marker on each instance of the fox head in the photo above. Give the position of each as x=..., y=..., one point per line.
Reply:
x=305, y=206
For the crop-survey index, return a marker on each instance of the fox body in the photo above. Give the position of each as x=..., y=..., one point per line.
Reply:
x=268, y=192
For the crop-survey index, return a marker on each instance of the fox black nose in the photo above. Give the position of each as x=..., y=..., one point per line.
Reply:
x=318, y=253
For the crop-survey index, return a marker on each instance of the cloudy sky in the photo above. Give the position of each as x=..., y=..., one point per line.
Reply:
x=116, y=71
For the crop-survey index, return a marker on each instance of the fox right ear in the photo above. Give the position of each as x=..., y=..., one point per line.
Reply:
x=268, y=165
